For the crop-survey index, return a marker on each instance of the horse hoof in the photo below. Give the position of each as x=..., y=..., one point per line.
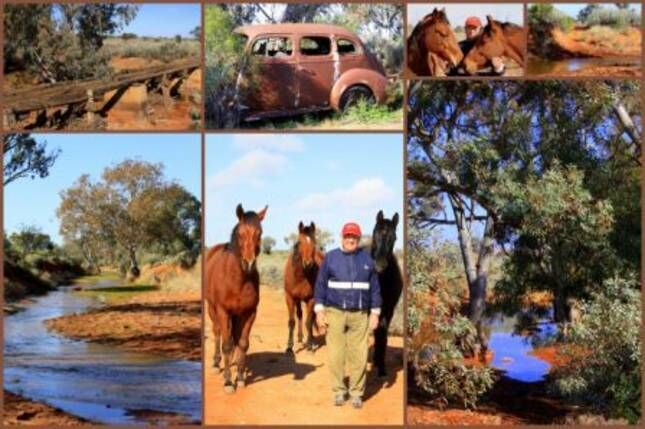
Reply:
x=241, y=383
x=310, y=349
x=229, y=388
x=289, y=352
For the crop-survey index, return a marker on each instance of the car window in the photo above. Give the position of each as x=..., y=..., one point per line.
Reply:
x=345, y=47
x=315, y=45
x=273, y=47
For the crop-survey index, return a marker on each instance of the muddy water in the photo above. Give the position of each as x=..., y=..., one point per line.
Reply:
x=511, y=352
x=93, y=381
x=540, y=66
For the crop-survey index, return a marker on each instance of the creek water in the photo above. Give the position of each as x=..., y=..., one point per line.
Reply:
x=97, y=382
x=539, y=66
x=511, y=351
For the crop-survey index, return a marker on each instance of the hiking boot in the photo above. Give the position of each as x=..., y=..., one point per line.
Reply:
x=339, y=399
x=357, y=402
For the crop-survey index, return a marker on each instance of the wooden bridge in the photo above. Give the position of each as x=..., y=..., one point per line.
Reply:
x=52, y=105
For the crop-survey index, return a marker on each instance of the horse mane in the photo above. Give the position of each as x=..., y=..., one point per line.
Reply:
x=505, y=25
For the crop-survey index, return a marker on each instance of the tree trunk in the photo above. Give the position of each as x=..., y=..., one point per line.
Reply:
x=134, y=267
x=476, y=272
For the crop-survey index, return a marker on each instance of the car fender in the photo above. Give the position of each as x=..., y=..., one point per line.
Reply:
x=375, y=81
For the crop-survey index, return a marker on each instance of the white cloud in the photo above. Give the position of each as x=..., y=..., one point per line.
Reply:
x=251, y=168
x=364, y=193
x=271, y=142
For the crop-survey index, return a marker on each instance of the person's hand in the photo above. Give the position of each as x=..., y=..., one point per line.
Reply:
x=373, y=324
x=321, y=322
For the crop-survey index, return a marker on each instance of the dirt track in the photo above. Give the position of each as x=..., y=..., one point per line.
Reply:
x=281, y=391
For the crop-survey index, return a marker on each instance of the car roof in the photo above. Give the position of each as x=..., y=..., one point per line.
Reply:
x=294, y=28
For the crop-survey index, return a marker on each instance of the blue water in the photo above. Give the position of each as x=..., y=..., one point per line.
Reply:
x=511, y=352
x=93, y=381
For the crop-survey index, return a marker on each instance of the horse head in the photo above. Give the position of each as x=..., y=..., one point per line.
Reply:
x=383, y=239
x=247, y=236
x=489, y=45
x=306, y=245
x=440, y=39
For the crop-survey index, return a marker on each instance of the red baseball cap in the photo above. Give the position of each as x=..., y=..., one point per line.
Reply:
x=351, y=228
x=473, y=21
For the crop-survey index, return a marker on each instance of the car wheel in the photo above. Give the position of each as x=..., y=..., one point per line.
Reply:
x=354, y=95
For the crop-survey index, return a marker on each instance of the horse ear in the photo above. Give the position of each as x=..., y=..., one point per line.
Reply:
x=379, y=216
x=395, y=219
x=239, y=211
x=490, y=19
x=300, y=226
x=262, y=213
x=312, y=225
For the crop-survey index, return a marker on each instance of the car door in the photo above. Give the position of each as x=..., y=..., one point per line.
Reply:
x=350, y=54
x=317, y=69
x=272, y=82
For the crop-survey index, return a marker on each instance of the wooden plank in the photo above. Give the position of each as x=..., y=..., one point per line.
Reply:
x=53, y=95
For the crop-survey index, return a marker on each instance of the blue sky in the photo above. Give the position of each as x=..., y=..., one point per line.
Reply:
x=326, y=178
x=165, y=20
x=33, y=202
x=458, y=12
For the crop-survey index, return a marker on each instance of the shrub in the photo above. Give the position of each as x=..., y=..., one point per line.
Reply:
x=604, y=370
x=615, y=18
x=541, y=15
x=440, y=335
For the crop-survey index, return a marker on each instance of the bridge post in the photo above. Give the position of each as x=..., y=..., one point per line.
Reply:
x=165, y=90
x=8, y=119
x=91, y=107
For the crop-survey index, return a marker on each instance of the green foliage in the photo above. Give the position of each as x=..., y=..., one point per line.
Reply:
x=543, y=14
x=267, y=244
x=128, y=36
x=165, y=50
x=439, y=335
x=131, y=211
x=62, y=41
x=613, y=17
x=605, y=353
x=364, y=112
x=30, y=239
x=23, y=156
x=562, y=238
x=224, y=51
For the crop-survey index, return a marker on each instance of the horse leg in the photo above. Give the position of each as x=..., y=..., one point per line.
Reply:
x=217, y=357
x=299, y=314
x=292, y=322
x=310, y=325
x=380, y=345
x=225, y=324
x=244, y=327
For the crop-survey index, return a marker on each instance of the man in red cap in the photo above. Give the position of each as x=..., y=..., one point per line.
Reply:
x=347, y=299
x=474, y=30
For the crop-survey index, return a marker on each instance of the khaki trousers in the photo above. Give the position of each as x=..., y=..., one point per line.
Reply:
x=347, y=343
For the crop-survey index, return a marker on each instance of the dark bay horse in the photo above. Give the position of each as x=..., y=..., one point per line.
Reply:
x=432, y=46
x=498, y=39
x=233, y=292
x=390, y=280
x=300, y=272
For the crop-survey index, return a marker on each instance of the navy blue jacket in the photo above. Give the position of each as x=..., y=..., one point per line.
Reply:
x=348, y=281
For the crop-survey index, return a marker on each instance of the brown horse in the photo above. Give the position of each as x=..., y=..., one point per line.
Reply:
x=233, y=292
x=300, y=274
x=498, y=39
x=432, y=46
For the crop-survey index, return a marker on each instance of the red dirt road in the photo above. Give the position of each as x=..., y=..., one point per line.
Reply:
x=283, y=391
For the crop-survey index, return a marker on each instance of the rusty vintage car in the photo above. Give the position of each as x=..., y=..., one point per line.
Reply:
x=303, y=68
